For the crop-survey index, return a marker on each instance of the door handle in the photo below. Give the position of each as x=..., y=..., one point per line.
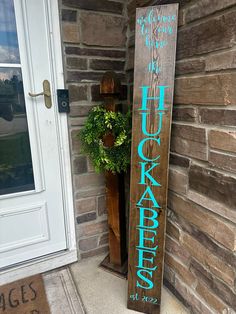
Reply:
x=46, y=93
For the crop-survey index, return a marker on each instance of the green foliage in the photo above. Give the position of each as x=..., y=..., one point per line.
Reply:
x=101, y=122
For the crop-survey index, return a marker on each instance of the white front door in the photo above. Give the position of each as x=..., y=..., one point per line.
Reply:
x=32, y=218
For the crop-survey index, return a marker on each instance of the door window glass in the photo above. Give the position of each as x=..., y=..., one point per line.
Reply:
x=9, y=50
x=16, y=171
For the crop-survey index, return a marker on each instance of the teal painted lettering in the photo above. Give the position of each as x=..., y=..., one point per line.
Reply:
x=153, y=67
x=152, y=218
x=170, y=30
x=142, y=259
x=163, y=44
x=151, y=198
x=142, y=239
x=146, y=98
x=148, y=42
x=150, y=17
x=145, y=173
x=145, y=279
x=144, y=123
x=144, y=30
x=140, y=148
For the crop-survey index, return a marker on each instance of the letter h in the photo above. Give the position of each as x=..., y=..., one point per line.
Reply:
x=161, y=98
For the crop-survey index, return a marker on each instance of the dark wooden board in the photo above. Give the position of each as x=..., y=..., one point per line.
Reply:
x=116, y=218
x=154, y=69
x=115, y=193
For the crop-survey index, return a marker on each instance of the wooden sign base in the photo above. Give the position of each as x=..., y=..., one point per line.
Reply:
x=120, y=271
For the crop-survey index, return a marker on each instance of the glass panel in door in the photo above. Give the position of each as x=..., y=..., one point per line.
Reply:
x=16, y=171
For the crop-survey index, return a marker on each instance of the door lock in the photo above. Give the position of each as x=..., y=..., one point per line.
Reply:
x=46, y=93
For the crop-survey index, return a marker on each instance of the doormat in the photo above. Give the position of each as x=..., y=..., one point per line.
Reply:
x=25, y=296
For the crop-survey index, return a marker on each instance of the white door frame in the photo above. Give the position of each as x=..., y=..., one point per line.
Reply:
x=68, y=256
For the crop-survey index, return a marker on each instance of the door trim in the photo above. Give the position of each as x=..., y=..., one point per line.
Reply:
x=38, y=266
x=68, y=256
x=63, y=130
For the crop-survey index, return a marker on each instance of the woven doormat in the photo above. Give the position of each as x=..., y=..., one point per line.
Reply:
x=25, y=296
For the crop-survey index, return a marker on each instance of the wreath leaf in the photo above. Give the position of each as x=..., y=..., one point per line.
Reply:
x=99, y=123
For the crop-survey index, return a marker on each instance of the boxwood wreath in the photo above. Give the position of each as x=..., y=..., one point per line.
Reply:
x=99, y=123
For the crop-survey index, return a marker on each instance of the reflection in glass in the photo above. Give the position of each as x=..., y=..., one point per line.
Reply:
x=16, y=173
x=9, y=51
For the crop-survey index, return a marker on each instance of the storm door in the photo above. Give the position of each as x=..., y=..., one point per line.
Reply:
x=32, y=222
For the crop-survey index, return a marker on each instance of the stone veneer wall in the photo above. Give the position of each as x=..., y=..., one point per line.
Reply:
x=94, y=41
x=200, y=260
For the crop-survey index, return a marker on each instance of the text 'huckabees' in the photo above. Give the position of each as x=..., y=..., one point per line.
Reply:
x=148, y=216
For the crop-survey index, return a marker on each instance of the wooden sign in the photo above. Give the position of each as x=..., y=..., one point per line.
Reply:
x=155, y=49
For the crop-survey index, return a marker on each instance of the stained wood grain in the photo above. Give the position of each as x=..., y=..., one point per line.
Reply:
x=110, y=89
x=116, y=218
x=139, y=298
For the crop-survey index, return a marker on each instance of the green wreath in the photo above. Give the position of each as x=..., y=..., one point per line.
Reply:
x=100, y=123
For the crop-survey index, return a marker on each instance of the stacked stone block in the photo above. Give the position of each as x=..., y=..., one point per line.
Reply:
x=94, y=41
x=200, y=259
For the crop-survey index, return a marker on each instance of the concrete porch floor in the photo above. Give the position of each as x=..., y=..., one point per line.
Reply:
x=105, y=293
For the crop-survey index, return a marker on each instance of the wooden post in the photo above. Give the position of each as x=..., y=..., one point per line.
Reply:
x=155, y=46
x=110, y=89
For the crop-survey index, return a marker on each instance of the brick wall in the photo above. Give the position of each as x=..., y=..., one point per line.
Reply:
x=94, y=41
x=200, y=260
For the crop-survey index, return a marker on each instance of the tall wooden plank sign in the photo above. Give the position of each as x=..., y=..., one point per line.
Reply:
x=155, y=49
